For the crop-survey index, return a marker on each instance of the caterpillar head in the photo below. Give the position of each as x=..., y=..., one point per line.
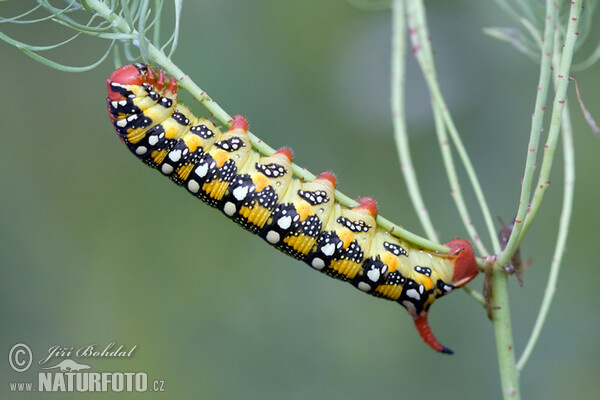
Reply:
x=136, y=75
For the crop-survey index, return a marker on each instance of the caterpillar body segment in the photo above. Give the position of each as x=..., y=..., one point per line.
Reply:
x=260, y=194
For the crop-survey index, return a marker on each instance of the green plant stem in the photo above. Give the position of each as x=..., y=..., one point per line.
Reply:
x=424, y=54
x=399, y=118
x=560, y=101
x=156, y=56
x=536, y=126
x=503, y=334
x=563, y=229
x=526, y=213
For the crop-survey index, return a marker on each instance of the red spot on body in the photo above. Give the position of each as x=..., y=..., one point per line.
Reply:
x=574, y=19
x=560, y=76
x=544, y=108
x=532, y=150
x=545, y=146
x=239, y=122
x=367, y=203
x=287, y=152
x=517, y=221
x=328, y=176
x=561, y=101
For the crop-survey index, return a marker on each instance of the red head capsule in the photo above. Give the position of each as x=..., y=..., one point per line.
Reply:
x=126, y=75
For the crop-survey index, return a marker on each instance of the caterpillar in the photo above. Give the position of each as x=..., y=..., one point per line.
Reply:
x=260, y=193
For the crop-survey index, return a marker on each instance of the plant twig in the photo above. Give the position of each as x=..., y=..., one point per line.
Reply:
x=399, y=118
x=424, y=54
x=563, y=231
x=528, y=213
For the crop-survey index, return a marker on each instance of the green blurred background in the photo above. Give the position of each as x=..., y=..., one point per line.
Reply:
x=97, y=248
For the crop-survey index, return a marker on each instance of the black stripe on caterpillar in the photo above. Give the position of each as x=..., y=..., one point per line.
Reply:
x=260, y=193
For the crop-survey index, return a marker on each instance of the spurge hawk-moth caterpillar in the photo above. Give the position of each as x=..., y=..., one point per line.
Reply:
x=260, y=193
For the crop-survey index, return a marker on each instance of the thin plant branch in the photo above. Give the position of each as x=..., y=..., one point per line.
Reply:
x=555, y=123
x=421, y=48
x=537, y=119
x=563, y=231
x=399, y=118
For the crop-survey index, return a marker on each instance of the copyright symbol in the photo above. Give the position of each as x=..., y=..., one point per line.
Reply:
x=20, y=357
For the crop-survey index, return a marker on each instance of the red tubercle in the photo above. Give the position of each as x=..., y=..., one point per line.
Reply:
x=172, y=88
x=328, y=176
x=465, y=265
x=285, y=151
x=367, y=203
x=150, y=78
x=160, y=83
x=425, y=332
x=239, y=122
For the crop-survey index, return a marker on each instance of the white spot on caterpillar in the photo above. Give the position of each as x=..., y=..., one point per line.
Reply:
x=285, y=222
x=365, y=287
x=175, y=155
x=273, y=237
x=229, y=208
x=328, y=249
x=166, y=169
x=122, y=102
x=413, y=294
x=202, y=170
x=114, y=104
x=373, y=275
x=240, y=192
x=193, y=186
x=317, y=263
x=141, y=150
x=152, y=140
x=122, y=123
